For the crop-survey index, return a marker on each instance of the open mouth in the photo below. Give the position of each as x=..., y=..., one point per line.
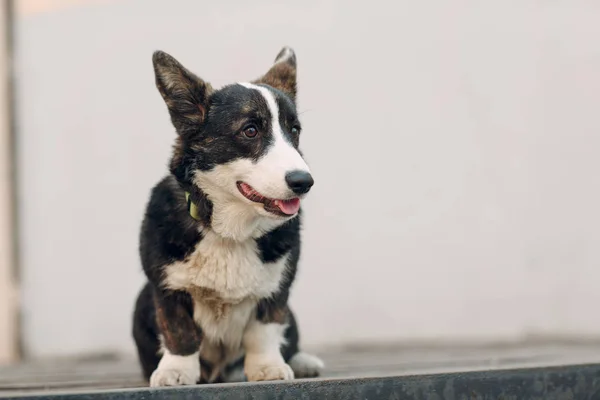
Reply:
x=281, y=207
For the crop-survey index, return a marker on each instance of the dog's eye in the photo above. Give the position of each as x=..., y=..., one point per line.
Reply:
x=250, y=131
x=295, y=130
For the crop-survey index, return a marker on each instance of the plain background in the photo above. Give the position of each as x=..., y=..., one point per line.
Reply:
x=454, y=146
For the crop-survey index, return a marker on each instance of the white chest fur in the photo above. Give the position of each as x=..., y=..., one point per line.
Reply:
x=220, y=273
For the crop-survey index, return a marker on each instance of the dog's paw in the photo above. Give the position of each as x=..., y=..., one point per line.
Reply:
x=306, y=365
x=174, y=377
x=174, y=370
x=268, y=371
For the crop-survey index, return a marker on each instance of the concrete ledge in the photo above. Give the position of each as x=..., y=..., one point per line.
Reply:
x=552, y=383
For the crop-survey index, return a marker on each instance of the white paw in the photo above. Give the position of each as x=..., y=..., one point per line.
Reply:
x=176, y=371
x=173, y=377
x=306, y=365
x=275, y=371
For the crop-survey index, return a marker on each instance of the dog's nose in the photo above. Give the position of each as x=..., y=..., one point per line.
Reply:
x=299, y=181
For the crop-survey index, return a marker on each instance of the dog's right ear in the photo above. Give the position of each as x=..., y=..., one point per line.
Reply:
x=186, y=95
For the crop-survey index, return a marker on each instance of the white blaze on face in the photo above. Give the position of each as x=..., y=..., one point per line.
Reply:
x=267, y=175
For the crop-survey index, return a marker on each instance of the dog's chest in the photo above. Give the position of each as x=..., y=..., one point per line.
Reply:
x=225, y=279
x=232, y=270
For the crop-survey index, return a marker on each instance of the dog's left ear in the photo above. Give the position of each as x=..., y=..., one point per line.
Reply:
x=186, y=95
x=282, y=74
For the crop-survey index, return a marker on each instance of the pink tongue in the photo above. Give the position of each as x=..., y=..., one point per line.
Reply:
x=289, y=207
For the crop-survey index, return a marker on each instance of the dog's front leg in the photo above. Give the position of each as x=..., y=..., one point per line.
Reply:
x=181, y=338
x=262, y=342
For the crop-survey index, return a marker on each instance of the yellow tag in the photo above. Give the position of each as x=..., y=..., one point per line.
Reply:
x=192, y=208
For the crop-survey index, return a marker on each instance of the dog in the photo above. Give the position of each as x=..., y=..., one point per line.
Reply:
x=220, y=238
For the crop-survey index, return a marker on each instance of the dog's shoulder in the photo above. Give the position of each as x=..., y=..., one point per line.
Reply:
x=168, y=233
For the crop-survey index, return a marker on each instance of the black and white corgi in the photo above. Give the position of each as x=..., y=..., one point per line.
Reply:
x=220, y=240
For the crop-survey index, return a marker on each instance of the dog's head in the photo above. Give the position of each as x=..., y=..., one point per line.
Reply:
x=238, y=145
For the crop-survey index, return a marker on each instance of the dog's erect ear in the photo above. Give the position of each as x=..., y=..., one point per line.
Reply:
x=282, y=74
x=186, y=95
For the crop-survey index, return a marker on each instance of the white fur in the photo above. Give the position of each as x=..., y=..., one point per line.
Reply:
x=262, y=343
x=238, y=277
x=234, y=216
x=227, y=329
x=176, y=370
x=306, y=365
x=233, y=269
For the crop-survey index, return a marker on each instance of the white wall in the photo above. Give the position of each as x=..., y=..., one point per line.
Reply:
x=454, y=146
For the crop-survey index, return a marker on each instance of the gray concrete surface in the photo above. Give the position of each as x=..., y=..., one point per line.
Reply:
x=111, y=372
